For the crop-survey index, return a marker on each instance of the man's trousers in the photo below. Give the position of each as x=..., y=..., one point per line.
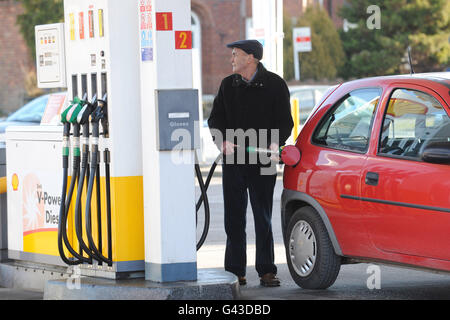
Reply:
x=236, y=181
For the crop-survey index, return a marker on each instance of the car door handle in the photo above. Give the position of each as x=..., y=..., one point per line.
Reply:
x=372, y=178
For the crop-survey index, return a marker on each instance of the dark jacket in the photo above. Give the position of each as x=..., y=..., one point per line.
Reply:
x=263, y=103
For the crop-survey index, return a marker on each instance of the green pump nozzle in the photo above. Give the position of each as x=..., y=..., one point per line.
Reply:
x=70, y=114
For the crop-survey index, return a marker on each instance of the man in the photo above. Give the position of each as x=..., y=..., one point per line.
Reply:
x=252, y=98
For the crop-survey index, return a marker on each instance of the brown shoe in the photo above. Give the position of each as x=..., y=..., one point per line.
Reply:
x=269, y=280
x=242, y=281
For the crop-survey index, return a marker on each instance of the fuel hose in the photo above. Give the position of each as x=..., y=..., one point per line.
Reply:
x=66, y=116
x=97, y=115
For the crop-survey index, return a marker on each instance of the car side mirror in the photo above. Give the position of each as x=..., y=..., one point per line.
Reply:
x=437, y=152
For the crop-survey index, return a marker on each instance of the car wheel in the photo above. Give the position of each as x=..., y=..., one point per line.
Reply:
x=311, y=259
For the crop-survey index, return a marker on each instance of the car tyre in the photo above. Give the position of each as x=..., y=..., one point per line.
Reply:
x=312, y=262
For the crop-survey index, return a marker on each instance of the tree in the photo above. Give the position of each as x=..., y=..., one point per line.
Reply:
x=327, y=55
x=424, y=25
x=38, y=12
x=288, y=59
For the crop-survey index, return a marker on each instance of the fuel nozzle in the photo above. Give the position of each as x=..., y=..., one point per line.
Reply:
x=103, y=104
x=64, y=118
x=100, y=115
x=67, y=118
x=289, y=155
x=86, y=110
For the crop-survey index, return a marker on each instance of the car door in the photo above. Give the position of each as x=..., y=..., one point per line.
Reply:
x=340, y=143
x=407, y=200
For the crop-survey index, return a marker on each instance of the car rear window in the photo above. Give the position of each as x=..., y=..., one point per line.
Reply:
x=348, y=124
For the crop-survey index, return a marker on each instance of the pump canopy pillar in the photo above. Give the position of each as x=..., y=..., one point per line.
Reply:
x=169, y=120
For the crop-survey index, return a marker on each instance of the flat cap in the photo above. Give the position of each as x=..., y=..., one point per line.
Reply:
x=249, y=46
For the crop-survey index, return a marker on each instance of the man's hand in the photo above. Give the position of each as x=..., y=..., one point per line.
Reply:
x=228, y=147
x=275, y=155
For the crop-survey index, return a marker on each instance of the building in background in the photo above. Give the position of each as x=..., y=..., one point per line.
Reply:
x=15, y=59
x=214, y=24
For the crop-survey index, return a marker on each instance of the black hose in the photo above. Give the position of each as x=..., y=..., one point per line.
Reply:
x=65, y=204
x=99, y=211
x=99, y=256
x=62, y=224
x=77, y=255
x=204, y=197
x=108, y=202
x=78, y=225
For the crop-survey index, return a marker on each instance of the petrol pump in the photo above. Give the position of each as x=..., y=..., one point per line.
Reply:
x=111, y=189
x=103, y=229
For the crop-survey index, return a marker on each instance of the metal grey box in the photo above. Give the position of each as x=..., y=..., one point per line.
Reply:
x=177, y=117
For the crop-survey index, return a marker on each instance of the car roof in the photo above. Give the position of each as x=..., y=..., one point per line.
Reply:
x=441, y=78
x=433, y=76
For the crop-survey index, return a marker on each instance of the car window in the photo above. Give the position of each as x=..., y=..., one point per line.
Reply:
x=412, y=120
x=31, y=112
x=347, y=125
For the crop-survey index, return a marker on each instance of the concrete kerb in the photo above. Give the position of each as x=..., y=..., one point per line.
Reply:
x=210, y=285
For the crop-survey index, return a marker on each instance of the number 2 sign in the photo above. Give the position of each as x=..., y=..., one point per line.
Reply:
x=183, y=40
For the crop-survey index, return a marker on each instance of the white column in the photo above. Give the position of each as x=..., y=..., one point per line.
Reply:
x=267, y=18
x=169, y=190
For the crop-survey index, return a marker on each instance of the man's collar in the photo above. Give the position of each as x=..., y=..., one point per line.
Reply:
x=257, y=80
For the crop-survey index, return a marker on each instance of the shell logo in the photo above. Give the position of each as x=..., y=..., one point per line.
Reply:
x=15, y=182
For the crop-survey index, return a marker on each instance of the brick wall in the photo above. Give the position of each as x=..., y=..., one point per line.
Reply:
x=222, y=22
x=293, y=7
x=336, y=5
x=15, y=59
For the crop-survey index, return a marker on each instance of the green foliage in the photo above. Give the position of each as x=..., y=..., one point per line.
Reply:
x=288, y=59
x=38, y=12
x=422, y=24
x=327, y=55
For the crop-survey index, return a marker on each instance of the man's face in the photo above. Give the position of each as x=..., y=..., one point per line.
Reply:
x=239, y=60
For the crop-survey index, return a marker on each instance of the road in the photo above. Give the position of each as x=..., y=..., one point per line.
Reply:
x=353, y=281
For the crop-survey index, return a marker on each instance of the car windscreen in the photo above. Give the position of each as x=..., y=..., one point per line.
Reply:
x=31, y=112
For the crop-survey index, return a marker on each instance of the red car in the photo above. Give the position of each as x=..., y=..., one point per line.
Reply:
x=373, y=182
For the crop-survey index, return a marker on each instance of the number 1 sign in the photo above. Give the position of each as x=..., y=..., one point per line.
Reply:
x=164, y=21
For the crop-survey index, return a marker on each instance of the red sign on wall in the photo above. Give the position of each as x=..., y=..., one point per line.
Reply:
x=164, y=21
x=183, y=40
